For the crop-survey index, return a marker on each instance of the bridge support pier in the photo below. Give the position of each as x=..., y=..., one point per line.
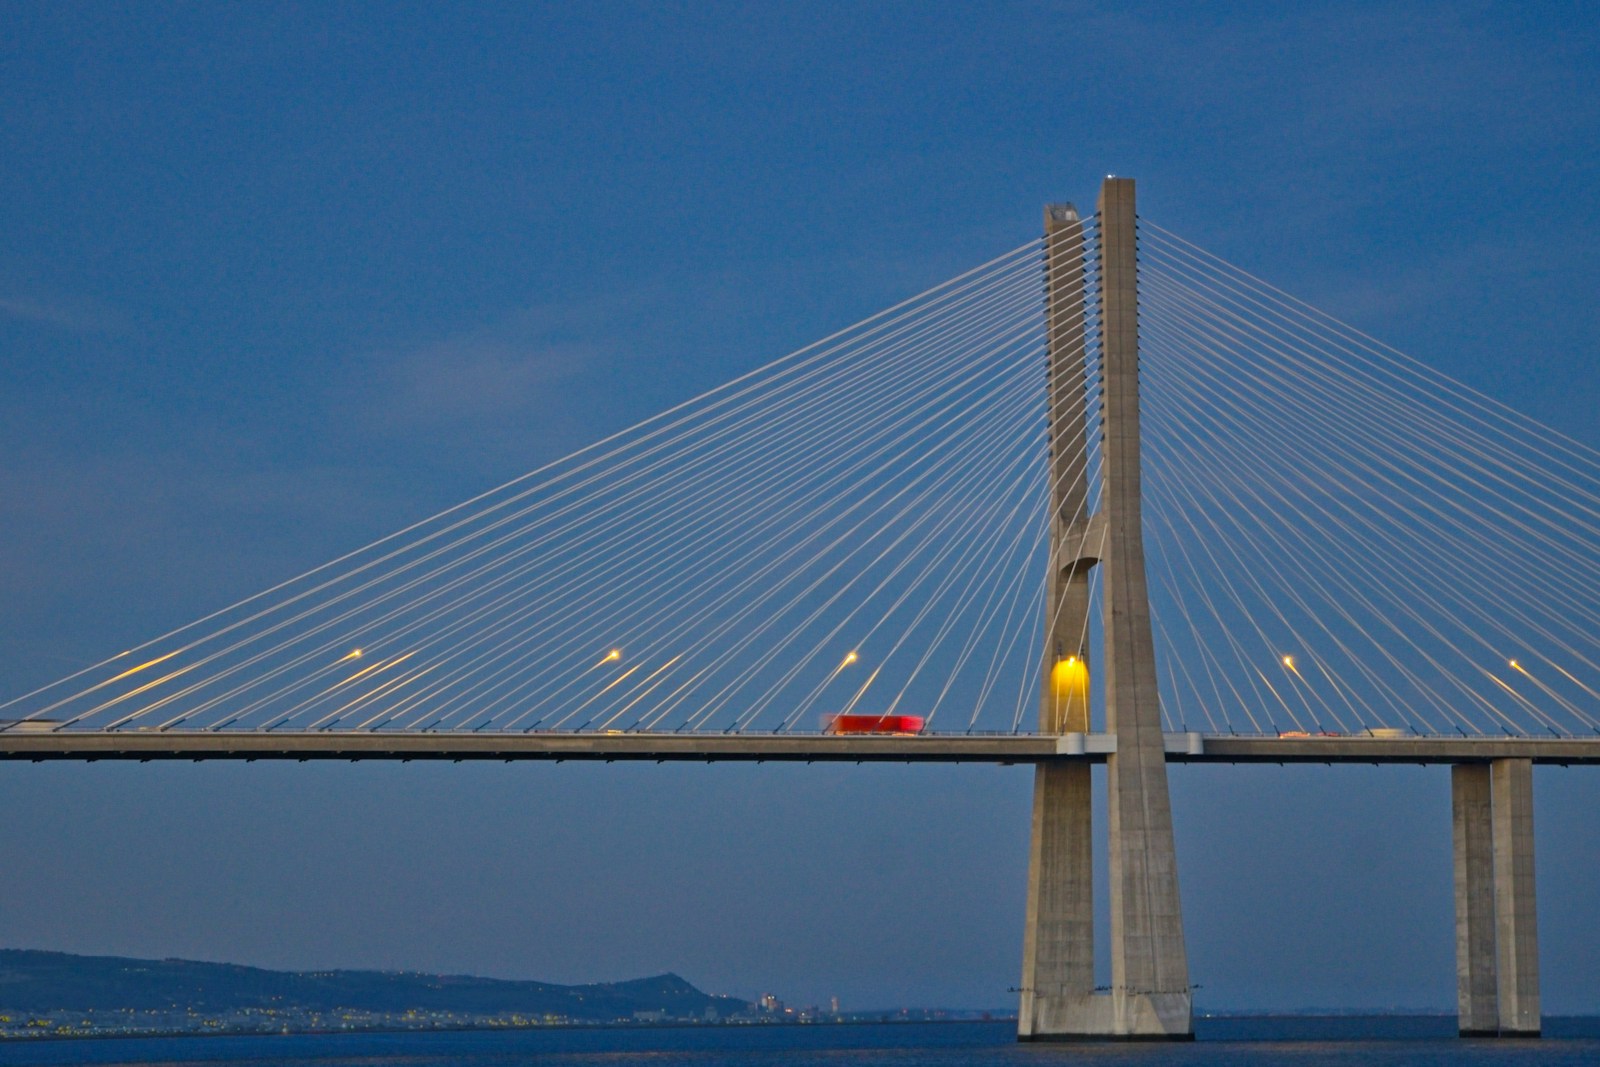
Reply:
x=1497, y=941
x=1058, y=994
x=1150, y=997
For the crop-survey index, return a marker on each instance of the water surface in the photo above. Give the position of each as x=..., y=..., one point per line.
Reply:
x=1428, y=1041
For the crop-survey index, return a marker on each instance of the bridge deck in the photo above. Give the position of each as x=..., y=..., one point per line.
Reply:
x=928, y=748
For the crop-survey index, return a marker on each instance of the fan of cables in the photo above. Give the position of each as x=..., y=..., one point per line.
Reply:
x=1338, y=540
x=855, y=529
x=1343, y=540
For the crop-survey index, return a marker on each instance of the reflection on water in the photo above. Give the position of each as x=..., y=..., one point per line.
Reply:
x=1426, y=1041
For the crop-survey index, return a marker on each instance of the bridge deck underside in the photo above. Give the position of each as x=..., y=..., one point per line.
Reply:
x=953, y=748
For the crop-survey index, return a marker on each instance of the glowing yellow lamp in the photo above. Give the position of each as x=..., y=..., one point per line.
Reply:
x=1069, y=682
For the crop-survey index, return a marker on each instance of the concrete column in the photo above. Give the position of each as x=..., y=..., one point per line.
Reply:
x=1067, y=599
x=1149, y=963
x=1497, y=936
x=1476, y=984
x=1516, y=923
x=1150, y=996
x=1058, y=939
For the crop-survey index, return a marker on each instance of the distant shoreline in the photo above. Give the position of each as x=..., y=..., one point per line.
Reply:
x=996, y=1020
x=23, y=1039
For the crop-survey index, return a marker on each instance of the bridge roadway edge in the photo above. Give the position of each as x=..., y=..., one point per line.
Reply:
x=926, y=748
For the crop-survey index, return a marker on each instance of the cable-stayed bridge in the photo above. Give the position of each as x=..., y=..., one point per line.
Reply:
x=1105, y=498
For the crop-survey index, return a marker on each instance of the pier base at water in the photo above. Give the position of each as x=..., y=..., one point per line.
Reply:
x=1497, y=938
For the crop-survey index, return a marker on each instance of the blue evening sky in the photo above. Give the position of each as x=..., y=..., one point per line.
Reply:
x=278, y=278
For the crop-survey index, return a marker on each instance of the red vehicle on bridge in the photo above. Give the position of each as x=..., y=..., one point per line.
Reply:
x=872, y=724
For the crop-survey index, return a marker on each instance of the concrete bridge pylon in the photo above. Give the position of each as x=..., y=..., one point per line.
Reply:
x=1497, y=940
x=1150, y=996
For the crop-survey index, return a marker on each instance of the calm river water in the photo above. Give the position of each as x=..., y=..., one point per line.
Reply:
x=1347, y=1042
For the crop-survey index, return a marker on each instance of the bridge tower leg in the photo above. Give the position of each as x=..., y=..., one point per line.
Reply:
x=1516, y=931
x=1150, y=994
x=1058, y=943
x=1478, y=1000
x=1149, y=964
x=1497, y=937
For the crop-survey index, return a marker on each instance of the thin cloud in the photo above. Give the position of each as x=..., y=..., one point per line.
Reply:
x=73, y=314
x=473, y=380
x=513, y=368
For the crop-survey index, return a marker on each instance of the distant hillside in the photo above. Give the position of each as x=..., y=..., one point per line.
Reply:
x=50, y=981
